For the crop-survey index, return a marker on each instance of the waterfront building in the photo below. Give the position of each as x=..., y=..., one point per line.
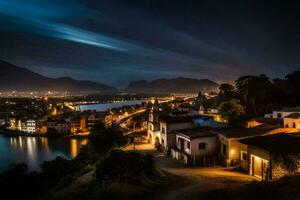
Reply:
x=63, y=127
x=94, y=117
x=31, y=125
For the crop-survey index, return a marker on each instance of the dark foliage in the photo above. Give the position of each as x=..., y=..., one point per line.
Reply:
x=256, y=92
x=16, y=182
x=232, y=111
x=259, y=95
x=54, y=170
x=130, y=167
x=104, y=139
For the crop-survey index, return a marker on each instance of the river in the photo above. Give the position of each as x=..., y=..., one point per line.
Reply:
x=106, y=106
x=34, y=150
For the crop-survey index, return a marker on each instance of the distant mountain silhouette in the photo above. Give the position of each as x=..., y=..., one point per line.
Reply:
x=20, y=79
x=177, y=85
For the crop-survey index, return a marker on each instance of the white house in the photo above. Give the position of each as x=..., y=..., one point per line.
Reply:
x=285, y=112
x=196, y=146
x=30, y=125
x=292, y=121
x=169, y=124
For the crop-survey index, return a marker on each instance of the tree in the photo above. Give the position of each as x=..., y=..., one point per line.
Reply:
x=18, y=183
x=289, y=88
x=98, y=128
x=232, y=111
x=56, y=169
x=290, y=163
x=104, y=139
x=226, y=93
x=225, y=87
x=255, y=92
x=130, y=167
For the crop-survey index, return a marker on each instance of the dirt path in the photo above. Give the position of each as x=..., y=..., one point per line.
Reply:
x=194, y=183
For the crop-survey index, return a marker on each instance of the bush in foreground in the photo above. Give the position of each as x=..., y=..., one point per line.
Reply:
x=130, y=167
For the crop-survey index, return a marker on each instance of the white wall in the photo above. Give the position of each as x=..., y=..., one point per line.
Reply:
x=185, y=144
x=179, y=156
x=283, y=114
x=170, y=128
x=289, y=123
x=211, y=147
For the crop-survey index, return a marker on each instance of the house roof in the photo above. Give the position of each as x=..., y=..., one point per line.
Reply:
x=268, y=120
x=196, y=132
x=61, y=121
x=178, y=113
x=175, y=119
x=293, y=116
x=242, y=132
x=278, y=144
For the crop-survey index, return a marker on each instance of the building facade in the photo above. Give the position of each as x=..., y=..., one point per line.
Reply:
x=196, y=147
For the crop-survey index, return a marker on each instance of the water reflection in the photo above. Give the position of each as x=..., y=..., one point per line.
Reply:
x=33, y=150
x=74, y=148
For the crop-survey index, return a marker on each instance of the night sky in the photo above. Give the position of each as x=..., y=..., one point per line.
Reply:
x=116, y=42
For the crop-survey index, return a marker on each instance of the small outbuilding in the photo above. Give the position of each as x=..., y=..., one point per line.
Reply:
x=273, y=156
x=292, y=121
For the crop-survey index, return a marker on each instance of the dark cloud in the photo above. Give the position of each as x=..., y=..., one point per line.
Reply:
x=116, y=41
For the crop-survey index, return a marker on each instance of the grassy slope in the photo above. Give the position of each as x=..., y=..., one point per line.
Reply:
x=86, y=186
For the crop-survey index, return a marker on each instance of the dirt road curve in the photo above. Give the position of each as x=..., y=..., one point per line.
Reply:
x=194, y=183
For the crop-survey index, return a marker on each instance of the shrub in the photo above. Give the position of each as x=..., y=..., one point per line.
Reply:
x=18, y=183
x=290, y=163
x=56, y=169
x=103, y=140
x=130, y=167
x=232, y=111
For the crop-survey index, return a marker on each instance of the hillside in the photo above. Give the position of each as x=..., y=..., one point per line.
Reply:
x=177, y=85
x=21, y=79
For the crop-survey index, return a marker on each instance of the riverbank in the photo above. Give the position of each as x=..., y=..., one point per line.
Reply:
x=13, y=133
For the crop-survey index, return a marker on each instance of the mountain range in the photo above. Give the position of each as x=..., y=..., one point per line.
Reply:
x=17, y=78
x=177, y=85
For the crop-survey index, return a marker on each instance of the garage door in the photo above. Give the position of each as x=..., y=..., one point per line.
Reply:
x=258, y=166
